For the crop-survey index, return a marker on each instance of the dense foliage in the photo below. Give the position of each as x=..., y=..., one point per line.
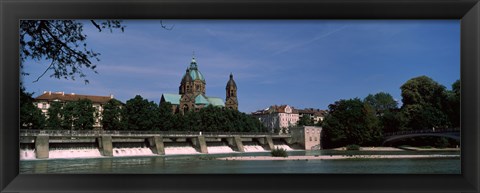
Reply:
x=31, y=117
x=112, y=116
x=426, y=105
x=351, y=122
x=78, y=115
x=279, y=152
x=305, y=120
x=137, y=114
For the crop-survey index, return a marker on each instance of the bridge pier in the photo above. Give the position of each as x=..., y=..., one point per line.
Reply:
x=105, y=145
x=236, y=143
x=41, y=146
x=270, y=142
x=200, y=143
x=264, y=143
x=156, y=144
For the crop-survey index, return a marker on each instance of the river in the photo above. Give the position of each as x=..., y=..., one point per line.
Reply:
x=208, y=164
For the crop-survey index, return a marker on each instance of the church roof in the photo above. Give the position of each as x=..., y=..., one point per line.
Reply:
x=215, y=101
x=200, y=99
x=174, y=99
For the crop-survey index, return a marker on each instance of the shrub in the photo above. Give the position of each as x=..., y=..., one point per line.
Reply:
x=353, y=147
x=279, y=152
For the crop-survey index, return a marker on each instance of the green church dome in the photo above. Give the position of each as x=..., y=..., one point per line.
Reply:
x=194, y=72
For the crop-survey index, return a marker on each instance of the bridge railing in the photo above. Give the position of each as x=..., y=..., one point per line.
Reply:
x=422, y=131
x=135, y=133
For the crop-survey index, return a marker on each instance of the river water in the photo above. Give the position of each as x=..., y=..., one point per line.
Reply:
x=207, y=164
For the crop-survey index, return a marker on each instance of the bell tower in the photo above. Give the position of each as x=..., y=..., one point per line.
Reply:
x=231, y=101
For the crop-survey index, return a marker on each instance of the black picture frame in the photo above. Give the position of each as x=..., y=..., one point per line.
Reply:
x=468, y=11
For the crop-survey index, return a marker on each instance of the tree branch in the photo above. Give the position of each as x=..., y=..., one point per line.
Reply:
x=66, y=46
x=96, y=25
x=165, y=27
x=51, y=64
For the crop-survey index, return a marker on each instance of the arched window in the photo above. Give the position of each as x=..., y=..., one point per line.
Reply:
x=185, y=108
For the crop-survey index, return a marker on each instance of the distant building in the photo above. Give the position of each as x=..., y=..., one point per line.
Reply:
x=44, y=101
x=316, y=115
x=192, y=93
x=308, y=137
x=278, y=117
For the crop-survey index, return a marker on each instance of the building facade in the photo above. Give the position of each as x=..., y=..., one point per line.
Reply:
x=308, y=137
x=316, y=115
x=192, y=93
x=44, y=101
x=278, y=118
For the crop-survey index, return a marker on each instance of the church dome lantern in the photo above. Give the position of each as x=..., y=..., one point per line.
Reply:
x=194, y=72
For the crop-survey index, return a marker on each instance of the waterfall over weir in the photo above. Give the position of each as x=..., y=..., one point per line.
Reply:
x=175, y=148
x=218, y=147
x=27, y=154
x=252, y=147
x=131, y=149
x=74, y=153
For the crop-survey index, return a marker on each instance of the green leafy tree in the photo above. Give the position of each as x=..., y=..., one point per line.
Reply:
x=423, y=91
x=113, y=115
x=78, y=115
x=452, y=106
x=422, y=117
x=165, y=116
x=387, y=111
x=55, y=116
x=381, y=102
x=63, y=43
x=424, y=103
x=351, y=122
x=141, y=114
x=305, y=120
x=31, y=117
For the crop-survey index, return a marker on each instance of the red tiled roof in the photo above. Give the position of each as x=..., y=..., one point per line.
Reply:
x=50, y=96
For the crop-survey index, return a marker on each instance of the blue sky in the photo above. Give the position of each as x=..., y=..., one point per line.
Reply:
x=302, y=63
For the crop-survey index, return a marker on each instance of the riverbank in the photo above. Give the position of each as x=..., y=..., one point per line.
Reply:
x=372, y=149
x=335, y=157
x=405, y=148
x=429, y=149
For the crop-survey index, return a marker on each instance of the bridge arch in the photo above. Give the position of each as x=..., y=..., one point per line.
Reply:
x=394, y=138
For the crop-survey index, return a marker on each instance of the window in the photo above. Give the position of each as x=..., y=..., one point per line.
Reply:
x=310, y=138
x=315, y=138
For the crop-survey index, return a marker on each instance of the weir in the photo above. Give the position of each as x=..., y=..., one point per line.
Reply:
x=43, y=144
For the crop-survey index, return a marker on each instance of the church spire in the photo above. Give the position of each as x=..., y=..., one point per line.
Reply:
x=231, y=101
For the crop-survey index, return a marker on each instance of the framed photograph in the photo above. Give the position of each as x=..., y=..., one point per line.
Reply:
x=263, y=96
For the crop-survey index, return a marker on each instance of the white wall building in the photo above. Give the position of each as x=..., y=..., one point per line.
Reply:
x=278, y=117
x=43, y=102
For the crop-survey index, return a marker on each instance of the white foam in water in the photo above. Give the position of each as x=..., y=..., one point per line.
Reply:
x=27, y=154
x=219, y=149
x=132, y=151
x=253, y=148
x=286, y=147
x=180, y=150
x=74, y=153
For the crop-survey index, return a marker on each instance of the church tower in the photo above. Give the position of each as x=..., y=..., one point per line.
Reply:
x=192, y=84
x=231, y=102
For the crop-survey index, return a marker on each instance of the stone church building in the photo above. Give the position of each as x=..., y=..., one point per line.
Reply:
x=192, y=93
